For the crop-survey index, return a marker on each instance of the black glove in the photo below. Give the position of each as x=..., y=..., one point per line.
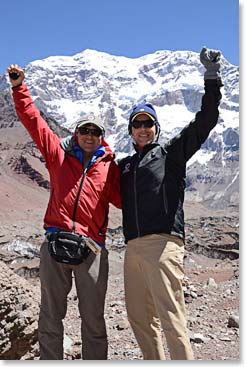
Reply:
x=211, y=61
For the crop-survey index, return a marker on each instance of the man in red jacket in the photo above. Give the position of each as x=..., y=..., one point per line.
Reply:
x=84, y=179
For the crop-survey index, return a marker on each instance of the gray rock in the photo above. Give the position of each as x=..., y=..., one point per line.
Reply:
x=233, y=321
x=18, y=315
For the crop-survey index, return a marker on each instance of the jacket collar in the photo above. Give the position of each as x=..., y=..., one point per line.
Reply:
x=146, y=148
x=70, y=146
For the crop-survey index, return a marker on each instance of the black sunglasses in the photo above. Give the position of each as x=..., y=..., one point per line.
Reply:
x=147, y=123
x=87, y=131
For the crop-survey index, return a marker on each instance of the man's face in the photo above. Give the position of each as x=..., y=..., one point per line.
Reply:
x=89, y=138
x=143, y=135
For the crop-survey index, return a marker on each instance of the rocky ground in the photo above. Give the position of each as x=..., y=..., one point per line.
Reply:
x=211, y=288
x=212, y=304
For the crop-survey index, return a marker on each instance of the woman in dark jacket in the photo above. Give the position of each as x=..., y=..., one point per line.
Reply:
x=152, y=191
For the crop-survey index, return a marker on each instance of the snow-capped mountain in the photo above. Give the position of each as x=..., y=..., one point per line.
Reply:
x=65, y=88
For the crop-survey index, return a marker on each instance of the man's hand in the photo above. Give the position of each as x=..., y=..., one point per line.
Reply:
x=211, y=61
x=16, y=75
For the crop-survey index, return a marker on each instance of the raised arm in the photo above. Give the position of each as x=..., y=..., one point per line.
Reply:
x=47, y=142
x=185, y=144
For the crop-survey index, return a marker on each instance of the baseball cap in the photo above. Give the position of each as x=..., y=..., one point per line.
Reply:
x=146, y=109
x=90, y=119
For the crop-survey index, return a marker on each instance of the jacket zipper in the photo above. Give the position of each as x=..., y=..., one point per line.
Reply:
x=165, y=203
x=135, y=196
x=77, y=199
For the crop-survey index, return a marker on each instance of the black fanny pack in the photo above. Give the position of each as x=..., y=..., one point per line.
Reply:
x=67, y=247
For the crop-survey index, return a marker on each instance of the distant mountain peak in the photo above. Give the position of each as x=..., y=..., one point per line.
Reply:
x=66, y=87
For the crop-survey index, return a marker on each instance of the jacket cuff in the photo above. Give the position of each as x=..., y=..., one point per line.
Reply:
x=17, y=86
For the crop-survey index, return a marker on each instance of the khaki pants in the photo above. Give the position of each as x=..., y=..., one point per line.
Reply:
x=91, y=278
x=153, y=273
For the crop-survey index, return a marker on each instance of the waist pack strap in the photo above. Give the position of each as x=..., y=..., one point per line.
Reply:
x=65, y=235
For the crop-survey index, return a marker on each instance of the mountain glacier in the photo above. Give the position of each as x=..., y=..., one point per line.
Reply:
x=67, y=87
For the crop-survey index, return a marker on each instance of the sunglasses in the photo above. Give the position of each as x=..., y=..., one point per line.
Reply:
x=87, y=131
x=147, y=124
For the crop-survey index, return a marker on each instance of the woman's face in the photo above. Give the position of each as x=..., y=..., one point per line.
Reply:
x=143, y=135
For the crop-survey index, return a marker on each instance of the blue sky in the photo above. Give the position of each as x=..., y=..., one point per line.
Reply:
x=32, y=30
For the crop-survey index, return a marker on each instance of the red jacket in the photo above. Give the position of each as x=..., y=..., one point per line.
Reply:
x=89, y=216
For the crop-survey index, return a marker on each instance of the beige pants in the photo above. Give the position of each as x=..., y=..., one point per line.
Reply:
x=91, y=278
x=153, y=273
